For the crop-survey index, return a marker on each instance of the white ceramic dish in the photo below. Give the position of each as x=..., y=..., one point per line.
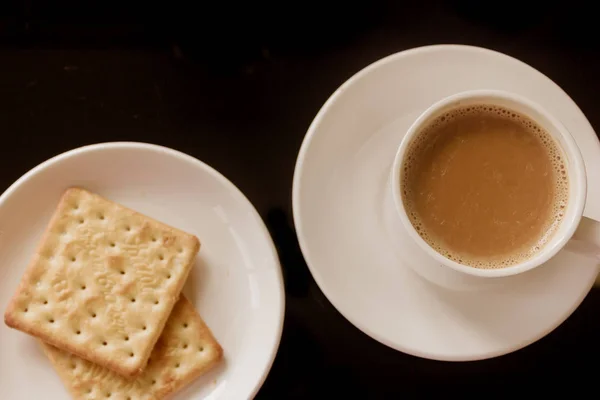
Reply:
x=236, y=283
x=360, y=254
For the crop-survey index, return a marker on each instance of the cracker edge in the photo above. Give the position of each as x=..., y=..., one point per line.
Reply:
x=168, y=389
x=210, y=338
x=11, y=321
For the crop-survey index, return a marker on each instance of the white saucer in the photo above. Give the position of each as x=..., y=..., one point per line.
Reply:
x=236, y=283
x=356, y=247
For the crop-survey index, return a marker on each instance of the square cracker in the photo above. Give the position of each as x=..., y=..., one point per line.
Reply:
x=102, y=282
x=186, y=349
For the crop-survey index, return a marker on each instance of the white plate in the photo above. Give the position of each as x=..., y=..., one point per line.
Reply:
x=236, y=283
x=356, y=247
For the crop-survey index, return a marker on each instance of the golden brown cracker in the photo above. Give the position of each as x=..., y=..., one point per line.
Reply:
x=185, y=350
x=102, y=282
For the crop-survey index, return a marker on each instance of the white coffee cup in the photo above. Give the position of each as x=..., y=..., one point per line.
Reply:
x=573, y=218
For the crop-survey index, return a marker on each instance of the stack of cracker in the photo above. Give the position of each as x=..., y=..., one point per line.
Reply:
x=102, y=293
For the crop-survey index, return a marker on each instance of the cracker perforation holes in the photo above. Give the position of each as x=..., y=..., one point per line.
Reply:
x=201, y=349
x=154, y=238
x=81, y=220
x=155, y=302
x=78, y=332
x=161, y=257
x=51, y=320
x=73, y=259
x=185, y=346
x=168, y=276
x=122, y=272
x=131, y=354
x=126, y=338
x=104, y=343
x=144, y=327
x=108, y=394
x=153, y=381
x=133, y=299
x=73, y=366
x=93, y=315
x=128, y=228
x=177, y=365
x=83, y=287
x=185, y=325
x=26, y=309
x=45, y=302
x=101, y=216
x=112, y=244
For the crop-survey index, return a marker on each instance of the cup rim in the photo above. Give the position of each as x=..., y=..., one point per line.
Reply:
x=569, y=147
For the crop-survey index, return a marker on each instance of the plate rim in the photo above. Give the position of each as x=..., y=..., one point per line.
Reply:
x=131, y=145
x=296, y=189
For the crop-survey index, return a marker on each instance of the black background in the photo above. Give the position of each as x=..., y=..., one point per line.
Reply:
x=236, y=85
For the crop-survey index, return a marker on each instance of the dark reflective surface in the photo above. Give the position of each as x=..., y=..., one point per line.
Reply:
x=237, y=87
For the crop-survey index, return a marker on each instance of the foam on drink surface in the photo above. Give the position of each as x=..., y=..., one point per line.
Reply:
x=423, y=170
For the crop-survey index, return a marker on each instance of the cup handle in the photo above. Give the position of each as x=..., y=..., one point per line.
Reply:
x=586, y=240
